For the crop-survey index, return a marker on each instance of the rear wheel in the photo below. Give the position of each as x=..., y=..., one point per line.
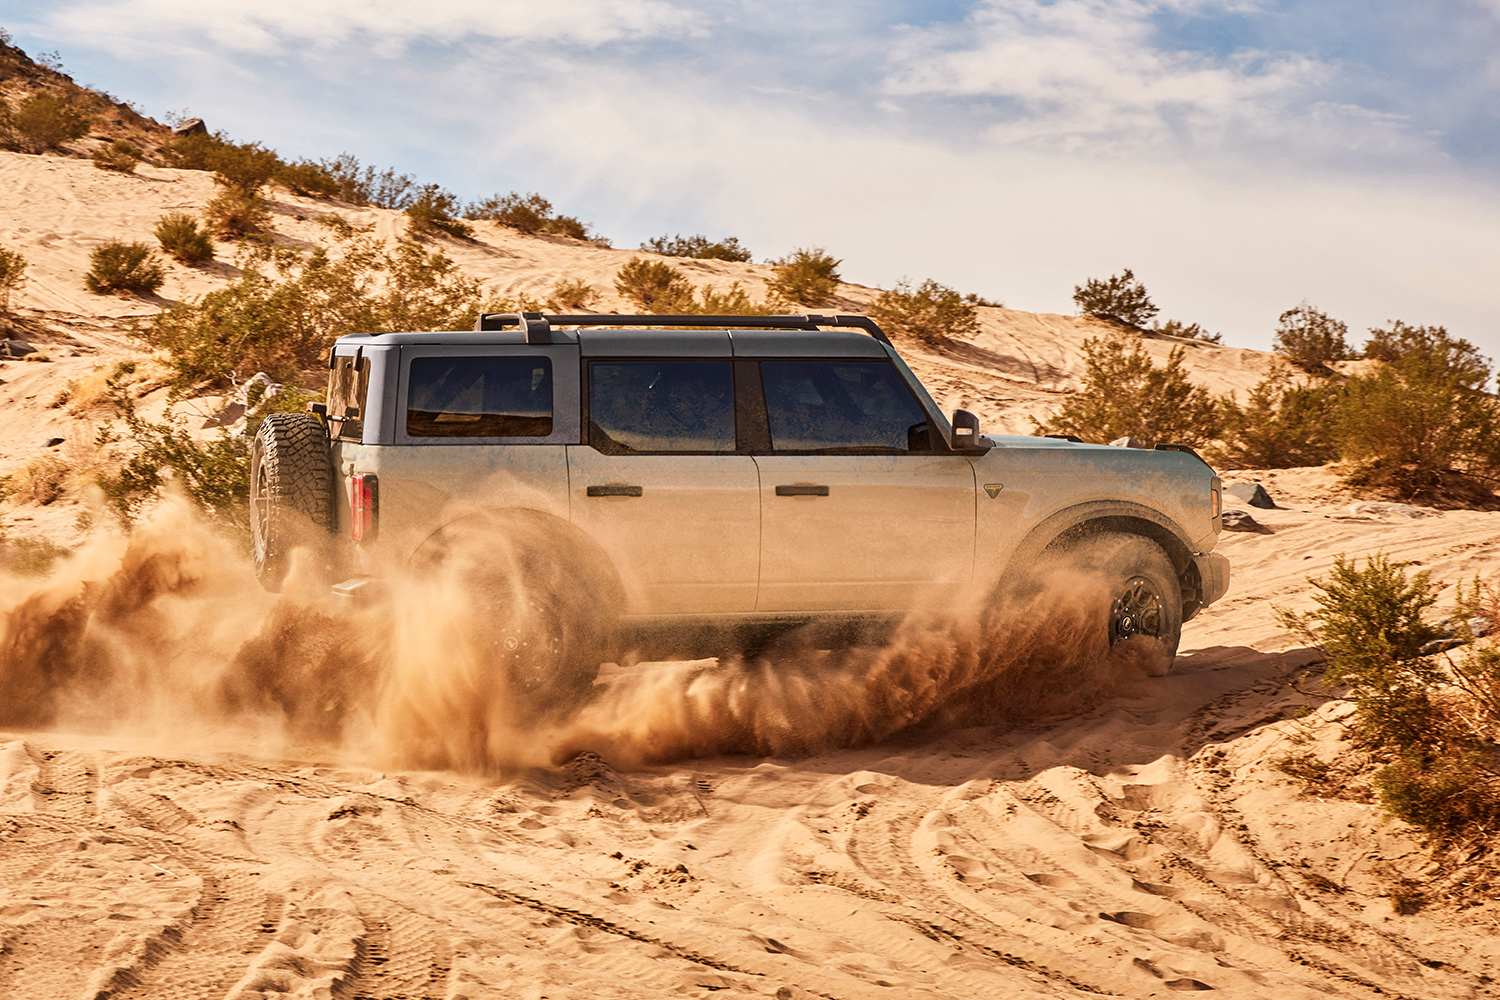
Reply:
x=291, y=493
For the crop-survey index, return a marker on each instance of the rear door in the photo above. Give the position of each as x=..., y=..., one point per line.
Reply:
x=862, y=508
x=664, y=484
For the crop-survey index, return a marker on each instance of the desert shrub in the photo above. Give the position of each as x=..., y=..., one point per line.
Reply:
x=569, y=294
x=808, y=276
x=308, y=179
x=288, y=307
x=123, y=268
x=1126, y=395
x=179, y=236
x=1435, y=723
x=364, y=185
x=1283, y=424
x=29, y=556
x=655, y=286
x=214, y=474
x=118, y=156
x=1192, y=331
x=700, y=247
x=1119, y=297
x=243, y=167
x=1309, y=338
x=530, y=213
x=431, y=212
x=235, y=212
x=1420, y=427
x=930, y=312
x=45, y=121
x=12, y=276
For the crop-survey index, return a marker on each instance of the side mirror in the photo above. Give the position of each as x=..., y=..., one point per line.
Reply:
x=966, y=436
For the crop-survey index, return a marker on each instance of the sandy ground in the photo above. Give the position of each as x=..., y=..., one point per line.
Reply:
x=1141, y=844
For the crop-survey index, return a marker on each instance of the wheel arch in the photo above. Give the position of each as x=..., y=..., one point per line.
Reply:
x=1068, y=527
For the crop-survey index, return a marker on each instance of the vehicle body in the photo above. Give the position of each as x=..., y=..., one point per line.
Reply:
x=749, y=473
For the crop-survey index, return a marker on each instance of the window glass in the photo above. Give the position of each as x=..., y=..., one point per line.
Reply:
x=480, y=397
x=848, y=406
x=639, y=406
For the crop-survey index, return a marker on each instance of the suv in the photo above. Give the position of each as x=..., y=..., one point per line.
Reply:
x=676, y=481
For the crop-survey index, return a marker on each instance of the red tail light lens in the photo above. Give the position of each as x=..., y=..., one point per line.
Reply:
x=364, y=499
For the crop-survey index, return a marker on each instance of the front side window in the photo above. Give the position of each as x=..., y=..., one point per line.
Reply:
x=479, y=397
x=842, y=406
x=661, y=406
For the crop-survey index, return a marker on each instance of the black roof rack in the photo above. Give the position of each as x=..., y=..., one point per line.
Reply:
x=538, y=326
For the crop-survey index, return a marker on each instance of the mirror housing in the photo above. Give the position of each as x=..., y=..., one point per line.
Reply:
x=966, y=436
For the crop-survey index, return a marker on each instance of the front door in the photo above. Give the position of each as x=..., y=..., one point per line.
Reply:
x=659, y=485
x=859, y=510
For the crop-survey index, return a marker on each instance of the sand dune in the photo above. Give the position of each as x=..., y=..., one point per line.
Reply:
x=156, y=842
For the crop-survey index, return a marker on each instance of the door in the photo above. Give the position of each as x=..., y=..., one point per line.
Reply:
x=659, y=484
x=859, y=509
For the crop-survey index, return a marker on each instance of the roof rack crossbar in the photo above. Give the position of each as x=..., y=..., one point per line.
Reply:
x=538, y=323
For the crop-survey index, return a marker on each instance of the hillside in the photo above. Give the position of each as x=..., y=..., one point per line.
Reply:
x=1130, y=837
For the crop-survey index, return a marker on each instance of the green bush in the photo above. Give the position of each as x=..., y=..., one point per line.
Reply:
x=1191, y=331
x=1119, y=297
x=363, y=185
x=123, y=268
x=118, y=156
x=1421, y=426
x=308, y=179
x=288, y=307
x=570, y=294
x=1309, y=338
x=1283, y=424
x=44, y=121
x=655, y=287
x=1435, y=723
x=191, y=152
x=179, y=236
x=234, y=213
x=931, y=312
x=29, y=556
x=244, y=167
x=700, y=247
x=1125, y=395
x=530, y=213
x=12, y=276
x=431, y=212
x=808, y=276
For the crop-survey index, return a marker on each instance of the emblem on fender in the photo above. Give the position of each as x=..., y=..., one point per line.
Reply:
x=993, y=489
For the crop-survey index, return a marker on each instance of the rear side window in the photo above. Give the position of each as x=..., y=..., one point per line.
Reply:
x=842, y=406
x=479, y=397
x=656, y=406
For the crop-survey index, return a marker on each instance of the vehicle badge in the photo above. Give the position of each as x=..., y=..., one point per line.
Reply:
x=993, y=489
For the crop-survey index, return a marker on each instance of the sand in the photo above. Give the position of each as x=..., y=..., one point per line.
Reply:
x=155, y=844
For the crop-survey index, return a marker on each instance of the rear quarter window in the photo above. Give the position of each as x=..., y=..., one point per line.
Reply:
x=480, y=397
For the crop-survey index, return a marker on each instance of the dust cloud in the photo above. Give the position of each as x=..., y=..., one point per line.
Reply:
x=166, y=632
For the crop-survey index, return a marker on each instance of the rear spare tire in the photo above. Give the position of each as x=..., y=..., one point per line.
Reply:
x=291, y=493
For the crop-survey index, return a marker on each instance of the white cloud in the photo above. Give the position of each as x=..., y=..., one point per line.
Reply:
x=266, y=26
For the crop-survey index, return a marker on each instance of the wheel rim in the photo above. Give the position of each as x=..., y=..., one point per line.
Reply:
x=259, y=507
x=1136, y=611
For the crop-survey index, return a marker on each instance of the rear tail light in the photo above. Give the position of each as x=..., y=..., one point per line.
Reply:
x=1217, y=493
x=364, y=499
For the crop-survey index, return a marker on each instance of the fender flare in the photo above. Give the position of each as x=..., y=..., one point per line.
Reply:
x=1066, y=527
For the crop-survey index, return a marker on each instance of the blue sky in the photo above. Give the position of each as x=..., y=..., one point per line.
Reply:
x=1239, y=155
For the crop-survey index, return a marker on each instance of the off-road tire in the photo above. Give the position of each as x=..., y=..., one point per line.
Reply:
x=1141, y=606
x=291, y=494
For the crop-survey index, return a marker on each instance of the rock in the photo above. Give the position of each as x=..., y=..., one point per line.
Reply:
x=1389, y=509
x=193, y=126
x=1126, y=442
x=1239, y=520
x=52, y=442
x=1452, y=634
x=1253, y=494
x=15, y=348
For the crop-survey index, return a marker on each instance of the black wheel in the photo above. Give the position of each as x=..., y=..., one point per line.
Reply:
x=291, y=493
x=543, y=603
x=1142, y=599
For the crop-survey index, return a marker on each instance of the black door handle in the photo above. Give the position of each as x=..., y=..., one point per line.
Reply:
x=615, y=490
x=802, y=490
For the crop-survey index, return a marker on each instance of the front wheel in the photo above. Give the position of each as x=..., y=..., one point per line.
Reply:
x=1141, y=601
